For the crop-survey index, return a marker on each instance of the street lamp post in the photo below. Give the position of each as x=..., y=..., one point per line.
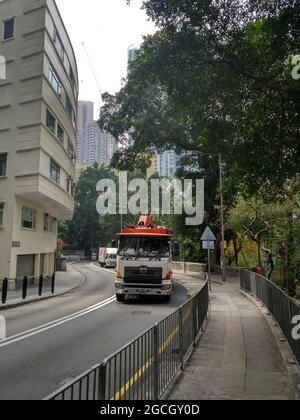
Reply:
x=223, y=260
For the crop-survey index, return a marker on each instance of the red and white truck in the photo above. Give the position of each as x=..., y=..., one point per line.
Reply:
x=144, y=261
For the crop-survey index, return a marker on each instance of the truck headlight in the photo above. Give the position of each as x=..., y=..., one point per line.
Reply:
x=119, y=286
x=166, y=287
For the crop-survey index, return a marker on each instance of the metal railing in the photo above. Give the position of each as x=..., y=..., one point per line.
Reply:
x=144, y=369
x=26, y=287
x=282, y=307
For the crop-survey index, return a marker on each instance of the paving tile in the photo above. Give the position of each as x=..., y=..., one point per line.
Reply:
x=237, y=357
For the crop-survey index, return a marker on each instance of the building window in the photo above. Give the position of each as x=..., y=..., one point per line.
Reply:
x=69, y=107
x=28, y=218
x=1, y=213
x=72, y=77
x=3, y=164
x=46, y=223
x=60, y=134
x=73, y=189
x=9, y=29
x=50, y=122
x=55, y=83
x=59, y=45
x=71, y=152
x=69, y=184
x=54, y=171
x=53, y=227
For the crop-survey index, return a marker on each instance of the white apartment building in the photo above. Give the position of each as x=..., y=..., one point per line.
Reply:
x=100, y=146
x=85, y=116
x=167, y=164
x=38, y=106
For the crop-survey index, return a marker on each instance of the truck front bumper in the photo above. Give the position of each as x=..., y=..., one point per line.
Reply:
x=165, y=289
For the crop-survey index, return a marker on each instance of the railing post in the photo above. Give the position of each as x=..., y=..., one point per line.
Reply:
x=53, y=284
x=242, y=280
x=102, y=383
x=290, y=320
x=195, y=332
x=4, y=290
x=155, y=363
x=41, y=279
x=25, y=286
x=181, y=351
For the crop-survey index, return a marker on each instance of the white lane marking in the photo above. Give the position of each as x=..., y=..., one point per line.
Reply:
x=37, y=330
x=106, y=270
x=54, y=324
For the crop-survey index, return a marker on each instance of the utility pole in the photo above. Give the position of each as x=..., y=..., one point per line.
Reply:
x=223, y=259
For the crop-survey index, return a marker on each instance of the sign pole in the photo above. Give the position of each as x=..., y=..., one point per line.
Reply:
x=209, y=266
x=208, y=241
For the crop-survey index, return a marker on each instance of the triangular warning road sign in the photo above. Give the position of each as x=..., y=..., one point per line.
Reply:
x=208, y=235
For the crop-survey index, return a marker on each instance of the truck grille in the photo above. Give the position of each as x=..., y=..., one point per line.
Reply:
x=143, y=275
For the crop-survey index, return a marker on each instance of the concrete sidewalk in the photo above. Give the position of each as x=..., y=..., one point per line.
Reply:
x=65, y=282
x=238, y=357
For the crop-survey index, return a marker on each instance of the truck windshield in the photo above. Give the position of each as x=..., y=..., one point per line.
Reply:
x=144, y=247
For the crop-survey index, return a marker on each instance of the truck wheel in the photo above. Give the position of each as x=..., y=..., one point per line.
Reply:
x=167, y=298
x=120, y=298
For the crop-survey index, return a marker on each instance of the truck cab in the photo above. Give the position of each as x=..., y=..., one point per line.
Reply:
x=144, y=261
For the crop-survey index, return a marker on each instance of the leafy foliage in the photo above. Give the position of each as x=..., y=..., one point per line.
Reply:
x=88, y=230
x=216, y=77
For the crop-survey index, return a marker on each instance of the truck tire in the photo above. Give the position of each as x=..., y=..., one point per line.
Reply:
x=120, y=298
x=167, y=298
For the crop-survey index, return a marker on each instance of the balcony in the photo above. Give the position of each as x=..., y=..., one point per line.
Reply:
x=45, y=194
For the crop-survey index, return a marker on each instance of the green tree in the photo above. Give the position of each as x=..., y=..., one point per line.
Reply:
x=274, y=227
x=88, y=229
x=216, y=77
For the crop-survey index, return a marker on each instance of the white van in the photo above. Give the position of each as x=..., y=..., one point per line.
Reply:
x=108, y=257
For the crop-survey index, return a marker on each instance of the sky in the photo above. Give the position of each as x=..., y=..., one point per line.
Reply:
x=107, y=28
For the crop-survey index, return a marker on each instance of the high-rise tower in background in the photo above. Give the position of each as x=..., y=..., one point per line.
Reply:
x=85, y=113
x=93, y=144
x=85, y=116
x=100, y=146
x=132, y=54
x=167, y=163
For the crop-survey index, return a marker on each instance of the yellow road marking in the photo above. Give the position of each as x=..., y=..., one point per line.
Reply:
x=149, y=363
x=132, y=381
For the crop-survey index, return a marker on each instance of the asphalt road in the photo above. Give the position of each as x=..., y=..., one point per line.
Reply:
x=53, y=341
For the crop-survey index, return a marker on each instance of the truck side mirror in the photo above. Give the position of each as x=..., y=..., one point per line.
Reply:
x=113, y=243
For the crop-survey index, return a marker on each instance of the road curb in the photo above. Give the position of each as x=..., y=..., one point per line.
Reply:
x=190, y=290
x=287, y=355
x=18, y=303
